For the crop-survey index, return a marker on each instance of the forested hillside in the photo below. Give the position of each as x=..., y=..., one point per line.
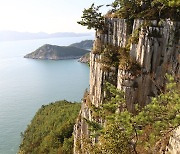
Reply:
x=50, y=131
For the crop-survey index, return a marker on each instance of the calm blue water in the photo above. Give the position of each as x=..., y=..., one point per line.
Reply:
x=26, y=84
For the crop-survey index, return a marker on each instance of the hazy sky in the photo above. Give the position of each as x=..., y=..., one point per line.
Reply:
x=44, y=15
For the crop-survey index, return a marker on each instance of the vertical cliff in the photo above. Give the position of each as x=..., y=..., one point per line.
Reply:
x=155, y=47
x=157, y=51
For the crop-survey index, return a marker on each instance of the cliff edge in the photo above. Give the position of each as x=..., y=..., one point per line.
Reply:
x=153, y=51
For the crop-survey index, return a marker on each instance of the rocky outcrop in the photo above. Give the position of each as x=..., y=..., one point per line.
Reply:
x=53, y=52
x=174, y=143
x=85, y=58
x=156, y=49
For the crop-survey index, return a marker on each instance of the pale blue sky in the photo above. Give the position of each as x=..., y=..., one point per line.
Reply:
x=44, y=15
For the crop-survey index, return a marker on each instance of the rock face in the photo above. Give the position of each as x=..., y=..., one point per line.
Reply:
x=85, y=58
x=53, y=52
x=156, y=50
x=174, y=143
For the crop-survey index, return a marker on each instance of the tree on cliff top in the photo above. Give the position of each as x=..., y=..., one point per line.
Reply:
x=132, y=9
x=92, y=18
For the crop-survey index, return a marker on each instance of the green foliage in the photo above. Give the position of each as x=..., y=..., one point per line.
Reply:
x=126, y=8
x=98, y=46
x=151, y=9
x=126, y=62
x=93, y=126
x=51, y=129
x=168, y=3
x=68, y=145
x=114, y=100
x=168, y=8
x=132, y=9
x=135, y=36
x=112, y=56
x=128, y=133
x=92, y=18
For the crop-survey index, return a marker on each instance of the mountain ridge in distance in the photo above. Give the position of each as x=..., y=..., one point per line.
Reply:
x=15, y=36
x=85, y=44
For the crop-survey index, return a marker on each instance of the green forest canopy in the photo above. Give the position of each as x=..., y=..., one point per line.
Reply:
x=50, y=131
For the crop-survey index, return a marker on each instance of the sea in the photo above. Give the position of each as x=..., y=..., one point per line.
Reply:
x=27, y=84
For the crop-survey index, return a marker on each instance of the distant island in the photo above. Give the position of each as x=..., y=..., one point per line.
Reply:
x=15, y=36
x=54, y=52
x=87, y=44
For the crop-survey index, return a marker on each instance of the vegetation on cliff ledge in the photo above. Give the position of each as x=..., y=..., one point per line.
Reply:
x=51, y=129
x=147, y=130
